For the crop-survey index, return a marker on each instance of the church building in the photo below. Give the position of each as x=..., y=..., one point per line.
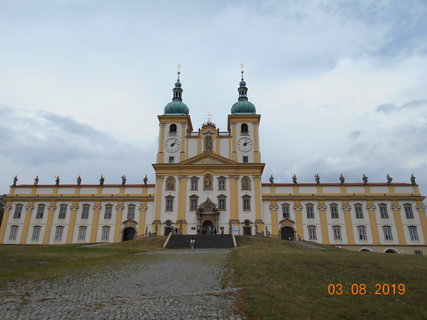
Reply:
x=207, y=179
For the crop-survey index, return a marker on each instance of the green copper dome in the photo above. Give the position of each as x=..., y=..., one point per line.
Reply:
x=243, y=106
x=176, y=106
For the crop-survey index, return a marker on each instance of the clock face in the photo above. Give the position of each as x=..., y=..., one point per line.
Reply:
x=172, y=145
x=244, y=144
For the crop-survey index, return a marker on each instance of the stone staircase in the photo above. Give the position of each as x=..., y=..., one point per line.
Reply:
x=202, y=241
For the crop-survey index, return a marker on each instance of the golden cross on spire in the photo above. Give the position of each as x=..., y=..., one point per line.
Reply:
x=178, y=68
x=209, y=117
x=242, y=69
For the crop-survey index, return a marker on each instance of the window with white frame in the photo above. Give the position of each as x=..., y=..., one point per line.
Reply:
x=82, y=233
x=334, y=211
x=131, y=211
x=85, y=211
x=285, y=211
x=18, y=211
x=337, y=232
x=13, y=232
x=108, y=211
x=312, y=233
x=387, y=233
x=221, y=183
x=36, y=233
x=194, y=183
x=362, y=233
x=408, y=211
x=359, y=211
x=246, y=203
x=40, y=211
x=413, y=233
x=59, y=230
x=169, y=203
x=222, y=202
x=310, y=211
x=383, y=211
x=194, y=202
x=105, y=233
x=62, y=211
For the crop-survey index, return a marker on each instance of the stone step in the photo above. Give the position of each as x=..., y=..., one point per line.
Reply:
x=202, y=241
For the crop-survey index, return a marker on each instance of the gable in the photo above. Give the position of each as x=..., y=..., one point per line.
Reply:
x=209, y=159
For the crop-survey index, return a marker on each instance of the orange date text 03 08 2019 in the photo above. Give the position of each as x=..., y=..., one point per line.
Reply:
x=364, y=289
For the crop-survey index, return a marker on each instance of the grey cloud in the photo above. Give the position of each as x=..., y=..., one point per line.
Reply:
x=354, y=134
x=414, y=104
x=391, y=107
x=386, y=108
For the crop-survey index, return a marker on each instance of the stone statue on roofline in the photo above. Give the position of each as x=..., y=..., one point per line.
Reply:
x=57, y=181
x=294, y=179
x=101, y=180
x=317, y=178
x=79, y=180
x=389, y=179
x=15, y=180
x=36, y=180
x=342, y=179
x=365, y=178
x=123, y=180
x=271, y=179
x=413, y=179
x=145, y=179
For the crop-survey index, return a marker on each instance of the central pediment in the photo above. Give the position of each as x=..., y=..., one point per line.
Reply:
x=208, y=158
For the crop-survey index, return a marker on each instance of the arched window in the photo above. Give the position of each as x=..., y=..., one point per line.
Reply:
x=169, y=203
x=222, y=202
x=58, y=233
x=85, y=211
x=194, y=183
x=310, y=210
x=18, y=211
x=105, y=233
x=207, y=182
x=285, y=211
x=40, y=211
x=13, y=232
x=334, y=210
x=194, y=199
x=82, y=233
x=172, y=128
x=362, y=233
x=108, y=211
x=408, y=211
x=383, y=211
x=246, y=183
x=312, y=235
x=337, y=232
x=388, y=235
x=36, y=233
x=62, y=211
x=221, y=183
x=246, y=203
x=170, y=183
x=413, y=234
x=359, y=211
x=244, y=128
x=131, y=211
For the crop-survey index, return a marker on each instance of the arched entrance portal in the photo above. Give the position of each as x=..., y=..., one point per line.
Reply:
x=287, y=233
x=207, y=224
x=129, y=233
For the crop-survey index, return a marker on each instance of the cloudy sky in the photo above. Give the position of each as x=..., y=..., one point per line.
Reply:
x=341, y=85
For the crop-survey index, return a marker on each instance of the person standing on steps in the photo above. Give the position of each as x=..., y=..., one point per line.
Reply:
x=192, y=243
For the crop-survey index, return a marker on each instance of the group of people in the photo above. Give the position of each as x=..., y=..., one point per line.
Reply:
x=209, y=230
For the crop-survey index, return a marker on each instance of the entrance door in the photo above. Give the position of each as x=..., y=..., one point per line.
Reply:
x=129, y=233
x=168, y=230
x=247, y=231
x=287, y=233
x=207, y=224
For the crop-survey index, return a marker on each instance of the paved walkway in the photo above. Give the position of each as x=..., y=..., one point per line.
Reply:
x=170, y=284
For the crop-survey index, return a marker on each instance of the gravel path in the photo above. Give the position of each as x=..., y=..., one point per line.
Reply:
x=170, y=284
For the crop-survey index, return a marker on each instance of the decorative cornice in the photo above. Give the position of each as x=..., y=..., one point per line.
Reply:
x=396, y=207
x=373, y=207
x=74, y=207
x=51, y=207
x=421, y=207
x=120, y=207
x=346, y=207
x=298, y=207
x=29, y=207
x=322, y=207
x=274, y=207
x=234, y=176
x=143, y=208
x=97, y=207
x=182, y=177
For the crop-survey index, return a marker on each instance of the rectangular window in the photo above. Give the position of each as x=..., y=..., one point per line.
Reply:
x=387, y=233
x=221, y=184
x=82, y=233
x=40, y=211
x=285, y=211
x=13, y=233
x=131, y=212
x=221, y=204
x=362, y=233
x=105, y=233
x=312, y=233
x=85, y=212
x=169, y=204
x=383, y=212
x=334, y=212
x=359, y=211
x=18, y=211
x=58, y=232
x=193, y=185
x=337, y=233
x=36, y=233
x=413, y=233
x=62, y=212
x=246, y=204
x=418, y=252
x=171, y=159
x=310, y=211
x=108, y=212
x=408, y=211
x=245, y=159
x=193, y=204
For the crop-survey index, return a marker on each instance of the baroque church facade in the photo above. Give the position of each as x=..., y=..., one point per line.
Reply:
x=212, y=179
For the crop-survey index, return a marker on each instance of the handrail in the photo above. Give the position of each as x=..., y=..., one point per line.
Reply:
x=167, y=240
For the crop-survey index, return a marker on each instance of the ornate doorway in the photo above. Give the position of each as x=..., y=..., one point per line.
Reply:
x=207, y=224
x=208, y=215
x=287, y=233
x=129, y=233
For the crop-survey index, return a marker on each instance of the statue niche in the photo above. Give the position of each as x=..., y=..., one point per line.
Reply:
x=208, y=143
x=246, y=183
x=207, y=182
x=170, y=183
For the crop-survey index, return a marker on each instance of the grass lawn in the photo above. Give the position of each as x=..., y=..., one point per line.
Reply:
x=42, y=262
x=283, y=280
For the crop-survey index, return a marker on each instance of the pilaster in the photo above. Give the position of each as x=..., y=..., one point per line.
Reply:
x=373, y=223
x=50, y=214
x=182, y=202
x=348, y=223
x=398, y=222
x=323, y=222
x=73, y=214
x=28, y=212
x=95, y=222
x=119, y=218
x=5, y=221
